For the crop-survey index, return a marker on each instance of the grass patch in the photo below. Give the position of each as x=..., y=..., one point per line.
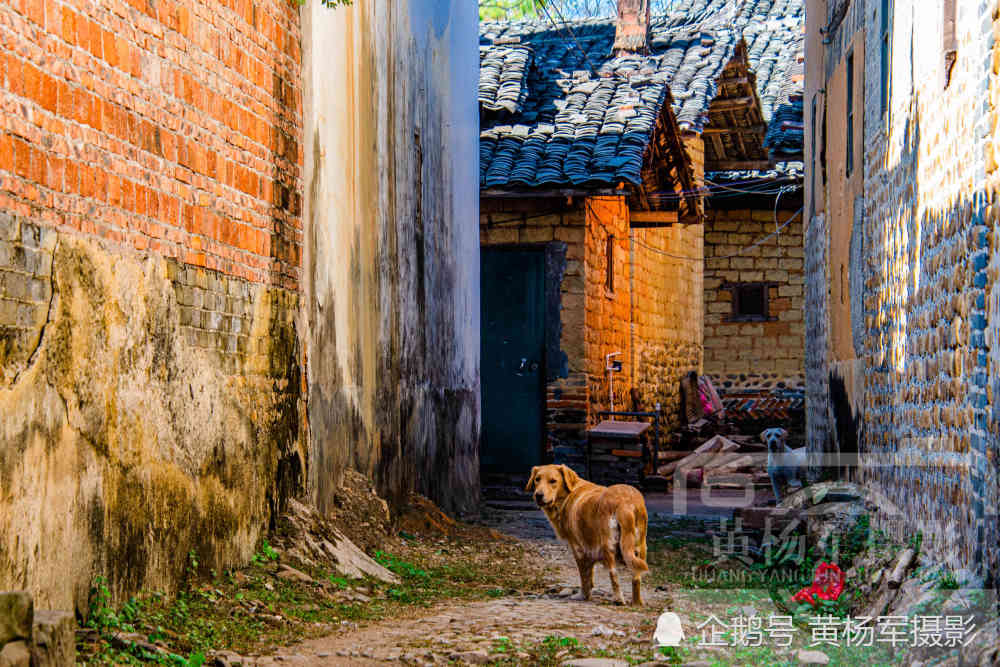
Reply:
x=253, y=612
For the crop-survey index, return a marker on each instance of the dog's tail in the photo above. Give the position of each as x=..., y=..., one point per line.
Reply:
x=632, y=524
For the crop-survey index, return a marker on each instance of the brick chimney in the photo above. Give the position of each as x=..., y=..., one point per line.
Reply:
x=632, y=33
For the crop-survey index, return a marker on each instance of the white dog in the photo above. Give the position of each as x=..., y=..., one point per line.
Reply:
x=783, y=462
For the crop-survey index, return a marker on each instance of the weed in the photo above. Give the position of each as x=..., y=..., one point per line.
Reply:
x=266, y=554
x=399, y=566
x=102, y=616
x=502, y=645
x=948, y=582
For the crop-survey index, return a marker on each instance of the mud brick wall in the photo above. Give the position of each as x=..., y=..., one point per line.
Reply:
x=927, y=237
x=150, y=232
x=608, y=312
x=667, y=314
x=756, y=356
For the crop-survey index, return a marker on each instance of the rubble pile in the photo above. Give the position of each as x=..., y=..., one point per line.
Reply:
x=312, y=539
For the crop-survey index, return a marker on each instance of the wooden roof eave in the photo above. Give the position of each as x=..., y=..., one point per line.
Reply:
x=667, y=170
x=736, y=119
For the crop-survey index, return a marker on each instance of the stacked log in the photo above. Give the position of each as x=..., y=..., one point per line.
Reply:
x=736, y=461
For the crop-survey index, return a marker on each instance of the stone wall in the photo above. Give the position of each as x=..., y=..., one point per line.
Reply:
x=150, y=366
x=758, y=356
x=926, y=441
x=817, y=321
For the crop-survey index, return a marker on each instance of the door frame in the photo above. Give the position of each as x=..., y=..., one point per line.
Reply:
x=542, y=250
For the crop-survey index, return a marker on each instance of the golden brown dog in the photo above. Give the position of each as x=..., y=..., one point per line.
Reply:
x=600, y=523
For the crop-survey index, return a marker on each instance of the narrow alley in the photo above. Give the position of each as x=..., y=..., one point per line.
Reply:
x=577, y=333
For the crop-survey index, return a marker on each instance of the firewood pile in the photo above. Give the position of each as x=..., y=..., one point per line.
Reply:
x=724, y=461
x=720, y=446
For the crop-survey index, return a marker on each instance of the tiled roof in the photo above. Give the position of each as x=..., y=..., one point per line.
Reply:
x=583, y=118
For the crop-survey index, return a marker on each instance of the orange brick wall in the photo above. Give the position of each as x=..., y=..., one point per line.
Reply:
x=167, y=126
x=608, y=314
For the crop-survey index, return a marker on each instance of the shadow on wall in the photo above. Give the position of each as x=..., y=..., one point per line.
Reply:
x=926, y=436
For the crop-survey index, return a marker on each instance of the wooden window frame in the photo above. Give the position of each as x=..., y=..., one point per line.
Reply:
x=609, y=269
x=736, y=316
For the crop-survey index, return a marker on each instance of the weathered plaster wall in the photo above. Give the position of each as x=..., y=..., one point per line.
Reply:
x=139, y=427
x=755, y=355
x=391, y=247
x=150, y=365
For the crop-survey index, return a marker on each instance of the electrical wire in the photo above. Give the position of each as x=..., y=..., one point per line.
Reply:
x=586, y=58
x=737, y=254
x=694, y=259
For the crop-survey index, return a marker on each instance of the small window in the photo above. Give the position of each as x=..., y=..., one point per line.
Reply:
x=849, y=158
x=749, y=302
x=886, y=44
x=609, y=252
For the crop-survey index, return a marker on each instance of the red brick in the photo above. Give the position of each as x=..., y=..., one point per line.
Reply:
x=71, y=179
x=53, y=173
x=109, y=46
x=6, y=152
x=141, y=161
x=32, y=82
x=35, y=11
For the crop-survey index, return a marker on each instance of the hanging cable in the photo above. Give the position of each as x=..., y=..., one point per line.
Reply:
x=737, y=254
x=586, y=58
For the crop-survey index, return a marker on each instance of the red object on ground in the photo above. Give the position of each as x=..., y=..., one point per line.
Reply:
x=828, y=583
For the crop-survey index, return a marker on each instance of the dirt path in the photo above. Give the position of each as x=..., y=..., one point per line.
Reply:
x=472, y=632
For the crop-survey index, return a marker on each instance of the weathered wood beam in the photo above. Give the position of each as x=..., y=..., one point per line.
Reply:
x=720, y=149
x=740, y=165
x=638, y=218
x=753, y=129
x=730, y=104
x=738, y=136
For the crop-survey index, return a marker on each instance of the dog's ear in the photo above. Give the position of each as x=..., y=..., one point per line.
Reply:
x=570, y=478
x=763, y=435
x=531, y=480
x=784, y=433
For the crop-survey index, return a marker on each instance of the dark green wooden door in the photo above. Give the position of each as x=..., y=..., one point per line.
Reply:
x=513, y=344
